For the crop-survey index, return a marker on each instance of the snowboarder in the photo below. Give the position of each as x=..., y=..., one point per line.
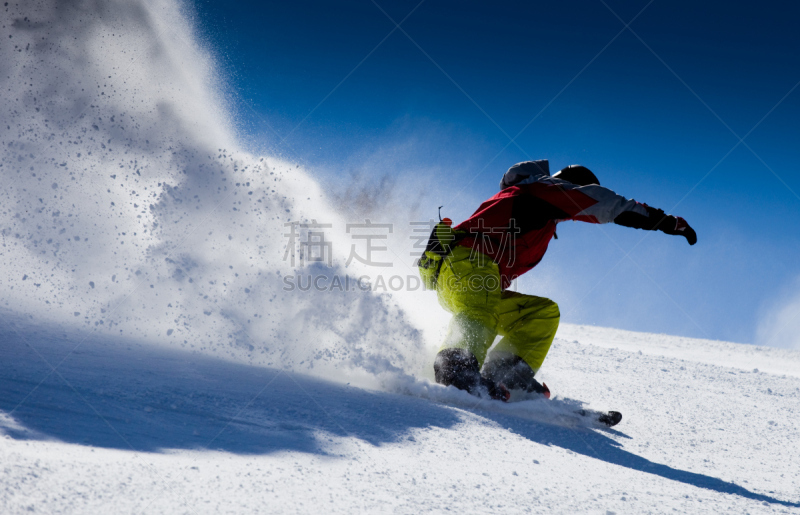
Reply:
x=472, y=264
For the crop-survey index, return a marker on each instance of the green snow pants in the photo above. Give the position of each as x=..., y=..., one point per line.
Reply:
x=469, y=287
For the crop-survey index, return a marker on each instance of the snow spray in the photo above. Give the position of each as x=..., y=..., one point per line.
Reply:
x=130, y=210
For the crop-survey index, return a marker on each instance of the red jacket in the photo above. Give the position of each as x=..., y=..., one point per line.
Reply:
x=515, y=226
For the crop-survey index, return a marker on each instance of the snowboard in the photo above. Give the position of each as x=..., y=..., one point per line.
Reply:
x=608, y=418
x=603, y=418
x=564, y=412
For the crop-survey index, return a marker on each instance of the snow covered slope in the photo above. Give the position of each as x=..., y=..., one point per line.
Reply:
x=125, y=427
x=152, y=361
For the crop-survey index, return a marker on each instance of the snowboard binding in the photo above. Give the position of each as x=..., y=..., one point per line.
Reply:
x=460, y=368
x=514, y=373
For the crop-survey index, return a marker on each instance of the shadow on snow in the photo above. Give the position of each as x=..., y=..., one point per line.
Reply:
x=129, y=396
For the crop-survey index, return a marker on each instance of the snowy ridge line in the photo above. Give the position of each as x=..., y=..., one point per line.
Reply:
x=736, y=355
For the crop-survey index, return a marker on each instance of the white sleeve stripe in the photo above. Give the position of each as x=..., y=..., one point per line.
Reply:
x=609, y=204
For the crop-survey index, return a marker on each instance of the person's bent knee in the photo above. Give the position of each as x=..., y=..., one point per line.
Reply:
x=551, y=310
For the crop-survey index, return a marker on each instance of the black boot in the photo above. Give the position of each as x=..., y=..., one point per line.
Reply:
x=460, y=368
x=514, y=373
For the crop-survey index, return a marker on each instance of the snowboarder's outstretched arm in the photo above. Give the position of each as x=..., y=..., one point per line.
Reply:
x=657, y=220
x=596, y=204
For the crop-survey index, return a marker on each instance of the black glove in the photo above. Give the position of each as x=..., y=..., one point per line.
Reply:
x=680, y=228
x=668, y=224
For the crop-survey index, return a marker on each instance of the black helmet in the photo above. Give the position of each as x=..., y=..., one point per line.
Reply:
x=577, y=174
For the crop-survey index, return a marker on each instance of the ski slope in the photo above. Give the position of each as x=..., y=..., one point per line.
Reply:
x=124, y=427
x=152, y=361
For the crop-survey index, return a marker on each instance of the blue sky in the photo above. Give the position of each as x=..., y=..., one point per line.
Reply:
x=655, y=111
